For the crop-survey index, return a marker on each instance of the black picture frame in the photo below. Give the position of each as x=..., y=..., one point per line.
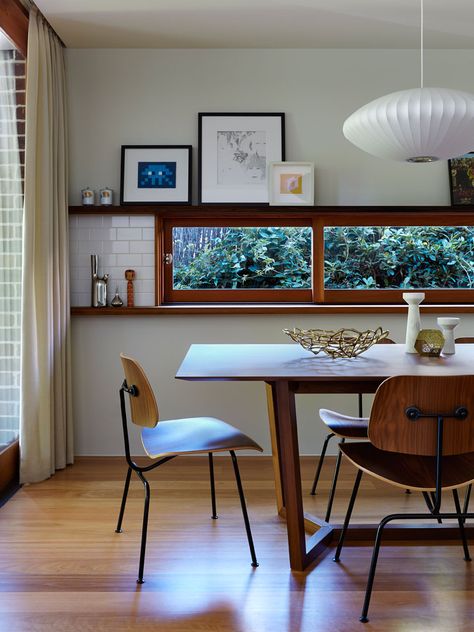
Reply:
x=461, y=180
x=215, y=128
x=179, y=158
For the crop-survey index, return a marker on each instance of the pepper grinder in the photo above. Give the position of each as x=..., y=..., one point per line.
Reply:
x=130, y=275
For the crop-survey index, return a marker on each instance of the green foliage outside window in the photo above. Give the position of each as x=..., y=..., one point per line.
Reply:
x=360, y=257
x=242, y=258
x=366, y=257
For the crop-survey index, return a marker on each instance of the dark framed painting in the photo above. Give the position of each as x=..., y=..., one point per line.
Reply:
x=461, y=179
x=155, y=174
x=235, y=150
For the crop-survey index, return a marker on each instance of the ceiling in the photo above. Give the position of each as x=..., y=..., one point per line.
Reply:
x=260, y=23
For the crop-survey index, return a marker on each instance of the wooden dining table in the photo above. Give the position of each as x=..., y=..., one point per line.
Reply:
x=288, y=370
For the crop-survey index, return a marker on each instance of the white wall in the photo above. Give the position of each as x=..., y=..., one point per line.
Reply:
x=153, y=97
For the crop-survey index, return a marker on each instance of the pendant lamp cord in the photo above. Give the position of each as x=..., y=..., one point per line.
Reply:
x=421, y=44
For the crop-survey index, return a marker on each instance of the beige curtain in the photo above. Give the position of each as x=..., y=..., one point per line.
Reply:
x=46, y=441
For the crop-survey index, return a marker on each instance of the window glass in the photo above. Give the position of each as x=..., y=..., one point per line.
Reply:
x=12, y=100
x=270, y=257
x=394, y=257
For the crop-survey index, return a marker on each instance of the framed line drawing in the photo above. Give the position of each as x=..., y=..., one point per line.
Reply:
x=234, y=152
x=155, y=174
x=291, y=184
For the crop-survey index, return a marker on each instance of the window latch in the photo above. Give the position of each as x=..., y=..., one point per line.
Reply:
x=168, y=258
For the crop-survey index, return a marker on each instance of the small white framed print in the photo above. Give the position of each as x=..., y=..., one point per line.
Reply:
x=291, y=184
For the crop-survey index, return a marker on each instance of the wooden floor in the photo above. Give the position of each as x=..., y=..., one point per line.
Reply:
x=62, y=567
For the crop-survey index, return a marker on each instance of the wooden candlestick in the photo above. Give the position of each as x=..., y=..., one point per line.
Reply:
x=130, y=275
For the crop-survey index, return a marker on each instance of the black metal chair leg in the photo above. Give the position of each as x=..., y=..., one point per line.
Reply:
x=433, y=500
x=213, y=488
x=348, y=516
x=244, y=508
x=373, y=566
x=146, y=508
x=429, y=500
x=461, y=521
x=124, y=501
x=320, y=464
x=334, y=484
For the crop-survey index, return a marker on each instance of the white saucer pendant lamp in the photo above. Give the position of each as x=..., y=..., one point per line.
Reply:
x=418, y=125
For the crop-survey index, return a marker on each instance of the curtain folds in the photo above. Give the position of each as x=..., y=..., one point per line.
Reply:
x=46, y=434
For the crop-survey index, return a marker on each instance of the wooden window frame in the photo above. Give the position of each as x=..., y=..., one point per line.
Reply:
x=170, y=295
x=318, y=218
x=394, y=296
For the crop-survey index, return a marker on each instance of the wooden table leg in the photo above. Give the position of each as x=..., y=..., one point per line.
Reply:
x=284, y=404
x=275, y=441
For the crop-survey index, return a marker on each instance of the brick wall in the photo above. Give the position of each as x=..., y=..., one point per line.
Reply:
x=12, y=145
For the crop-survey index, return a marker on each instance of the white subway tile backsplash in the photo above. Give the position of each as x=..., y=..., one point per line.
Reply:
x=129, y=233
x=107, y=261
x=142, y=286
x=89, y=247
x=81, y=299
x=143, y=221
x=80, y=234
x=90, y=221
x=147, y=272
x=144, y=300
x=129, y=261
x=122, y=242
x=142, y=246
x=116, y=247
x=148, y=234
x=148, y=260
x=119, y=221
x=103, y=234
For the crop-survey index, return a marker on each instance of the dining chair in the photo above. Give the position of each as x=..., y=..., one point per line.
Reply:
x=344, y=427
x=165, y=440
x=421, y=436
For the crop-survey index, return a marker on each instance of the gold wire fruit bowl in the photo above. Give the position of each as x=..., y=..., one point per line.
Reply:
x=343, y=343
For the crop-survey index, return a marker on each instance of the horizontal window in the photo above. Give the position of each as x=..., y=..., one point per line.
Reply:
x=239, y=263
x=400, y=257
x=315, y=255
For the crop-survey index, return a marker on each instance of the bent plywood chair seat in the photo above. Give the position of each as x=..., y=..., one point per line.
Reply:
x=165, y=440
x=421, y=436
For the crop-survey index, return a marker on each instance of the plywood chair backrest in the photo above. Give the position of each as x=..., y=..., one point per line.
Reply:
x=465, y=340
x=391, y=430
x=386, y=341
x=143, y=406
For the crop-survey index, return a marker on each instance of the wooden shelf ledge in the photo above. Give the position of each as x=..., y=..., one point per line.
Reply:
x=211, y=310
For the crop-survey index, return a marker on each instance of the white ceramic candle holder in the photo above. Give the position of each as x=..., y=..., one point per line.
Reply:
x=413, y=321
x=448, y=326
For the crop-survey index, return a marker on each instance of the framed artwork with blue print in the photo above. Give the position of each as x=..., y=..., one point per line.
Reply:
x=156, y=174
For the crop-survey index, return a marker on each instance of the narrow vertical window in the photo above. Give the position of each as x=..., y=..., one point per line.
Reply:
x=12, y=122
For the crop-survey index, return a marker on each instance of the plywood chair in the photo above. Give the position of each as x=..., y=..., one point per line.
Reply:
x=344, y=427
x=165, y=440
x=421, y=436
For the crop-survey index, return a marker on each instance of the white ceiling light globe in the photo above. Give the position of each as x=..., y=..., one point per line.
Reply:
x=418, y=125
